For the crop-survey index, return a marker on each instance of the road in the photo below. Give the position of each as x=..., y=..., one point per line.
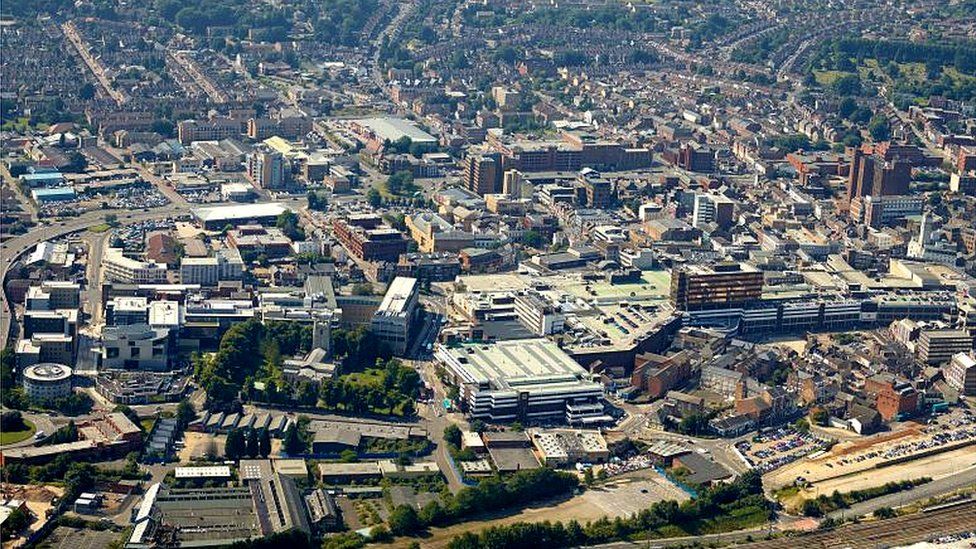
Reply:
x=903, y=530
x=938, y=487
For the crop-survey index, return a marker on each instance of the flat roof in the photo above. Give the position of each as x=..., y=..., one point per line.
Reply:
x=398, y=295
x=518, y=363
x=210, y=471
x=394, y=128
x=240, y=211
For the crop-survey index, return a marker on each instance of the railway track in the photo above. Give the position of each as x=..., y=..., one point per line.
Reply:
x=901, y=530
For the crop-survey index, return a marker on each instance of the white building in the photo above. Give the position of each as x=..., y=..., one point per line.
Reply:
x=527, y=379
x=119, y=268
x=538, y=315
x=47, y=381
x=135, y=347
x=392, y=321
x=225, y=265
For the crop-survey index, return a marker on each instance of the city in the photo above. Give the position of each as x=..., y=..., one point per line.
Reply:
x=487, y=274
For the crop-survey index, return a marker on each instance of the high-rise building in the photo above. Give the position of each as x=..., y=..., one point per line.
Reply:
x=960, y=373
x=267, y=170
x=721, y=286
x=483, y=173
x=599, y=191
x=713, y=208
x=873, y=174
x=512, y=183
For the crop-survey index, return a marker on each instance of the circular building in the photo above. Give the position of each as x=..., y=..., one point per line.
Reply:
x=47, y=381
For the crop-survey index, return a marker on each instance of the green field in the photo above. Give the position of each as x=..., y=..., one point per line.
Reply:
x=11, y=437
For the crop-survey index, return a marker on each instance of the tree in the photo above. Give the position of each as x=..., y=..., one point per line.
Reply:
x=820, y=416
x=879, y=128
x=252, y=446
x=374, y=198
x=404, y=521
x=885, y=513
x=236, y=445
x=532, y=238
x=588, y=476
x=86, y=92
x=264, y=443
x=288, y=223
x=452, y=435
x=184, y=414
x=12, y=421
x=293, y=443
x=362, y=288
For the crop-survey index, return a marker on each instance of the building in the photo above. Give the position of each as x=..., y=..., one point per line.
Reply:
x=251, y=241
x=897, y=400
x=656, y=375
x=713, y=208
x=225, y=265
x=696, y=158
x=538, y=315
x=482, y=173
x=960, y=374
x=939, y=346
x=120, y=268
x=267, y=169
x=884, y=211
x=721, y=286
x=875, y=175
x=366, y=238
x=135, y=347
x=530, y=379
x=208, y=130
x=598, y=190
x=220, y=516
x=215, y=218
x=564, y=448
x=393, y=321
x=46, y=382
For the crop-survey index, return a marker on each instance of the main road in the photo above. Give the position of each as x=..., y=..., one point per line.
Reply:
x=12, y=250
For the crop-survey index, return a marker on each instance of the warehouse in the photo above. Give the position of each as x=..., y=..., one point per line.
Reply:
x=217, y=217
x=526, y=380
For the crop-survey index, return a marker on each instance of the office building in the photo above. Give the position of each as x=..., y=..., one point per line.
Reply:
x=225, y=265
x=598, y=190
x=366, y=238
x=215, y=218
x=713, y=208
x=529, y=379
x=960, y=373
x=538, y=315
x=884, y=211
x=393, y=321
x=120, y=268
x=721, y=286
x=46, y=382
x=875, y=175
x=939, y=346
x=135, y=347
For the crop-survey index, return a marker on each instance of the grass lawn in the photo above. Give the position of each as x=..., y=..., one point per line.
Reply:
x=370, y=377
x=826, y=78
x=10, y=437
x=147, y=424
x=100, y=228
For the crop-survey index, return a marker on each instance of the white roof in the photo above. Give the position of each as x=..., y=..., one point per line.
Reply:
x=210, y=471
x=394, y=128
x=398, y=295
x=240, y=211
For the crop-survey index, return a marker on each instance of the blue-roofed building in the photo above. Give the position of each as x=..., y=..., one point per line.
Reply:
x=53, y=194
x=39, y=178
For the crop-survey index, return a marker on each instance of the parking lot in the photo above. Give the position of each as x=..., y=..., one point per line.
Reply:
x=945, y=433
x=64, y=537
x=773, y=450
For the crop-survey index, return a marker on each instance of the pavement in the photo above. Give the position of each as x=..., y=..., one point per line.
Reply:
x=945, y=485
